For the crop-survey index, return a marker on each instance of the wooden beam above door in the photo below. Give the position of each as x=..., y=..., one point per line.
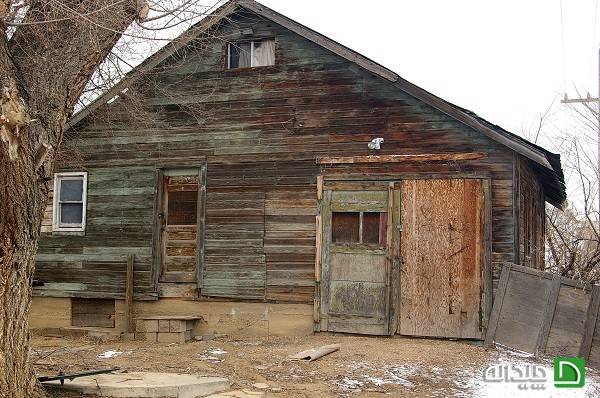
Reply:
x=428, y=157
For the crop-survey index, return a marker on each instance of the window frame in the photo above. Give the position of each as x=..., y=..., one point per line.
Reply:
x=57, y=226
x=251, y=53
x=360, y=242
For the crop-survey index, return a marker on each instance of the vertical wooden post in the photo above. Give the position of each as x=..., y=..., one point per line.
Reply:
x=201, y=230
x=318, y=243
x=129, y=326
x=487, y=278
x=391, y=262
x=590, y=323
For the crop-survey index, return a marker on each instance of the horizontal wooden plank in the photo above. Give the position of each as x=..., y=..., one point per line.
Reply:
x=433, y=157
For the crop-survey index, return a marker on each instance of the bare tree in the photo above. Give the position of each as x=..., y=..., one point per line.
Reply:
x=55, y=55
x=573, y=235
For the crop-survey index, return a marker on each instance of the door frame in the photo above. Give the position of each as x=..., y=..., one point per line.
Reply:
x=395, y=256
x=160, y=223
x=324, y=254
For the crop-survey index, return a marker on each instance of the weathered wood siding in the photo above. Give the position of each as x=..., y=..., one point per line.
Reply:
x=531, y=215
x=119, y=223
x=259, y=132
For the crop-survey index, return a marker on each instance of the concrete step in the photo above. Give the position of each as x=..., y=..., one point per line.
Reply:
x=165, y=329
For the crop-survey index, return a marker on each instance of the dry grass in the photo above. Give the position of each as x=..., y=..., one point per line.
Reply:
x=364, y=366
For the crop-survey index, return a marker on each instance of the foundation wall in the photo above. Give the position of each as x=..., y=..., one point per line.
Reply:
x=50, y=312
x=231, y=318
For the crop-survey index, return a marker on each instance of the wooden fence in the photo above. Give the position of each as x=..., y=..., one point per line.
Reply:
x=539, y=312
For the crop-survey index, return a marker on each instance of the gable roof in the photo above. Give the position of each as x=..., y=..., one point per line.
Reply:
x=546, y=164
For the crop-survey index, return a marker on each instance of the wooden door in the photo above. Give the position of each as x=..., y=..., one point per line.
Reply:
x=442, y=251
x=356, y=266
x=181, y=230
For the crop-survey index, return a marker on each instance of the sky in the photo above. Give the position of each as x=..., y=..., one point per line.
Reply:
x=505, y=60
x=508, y=61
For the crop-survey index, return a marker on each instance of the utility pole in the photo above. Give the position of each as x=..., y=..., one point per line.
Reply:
x=587, y=101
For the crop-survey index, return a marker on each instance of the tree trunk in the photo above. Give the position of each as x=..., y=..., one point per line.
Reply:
x=43, y=70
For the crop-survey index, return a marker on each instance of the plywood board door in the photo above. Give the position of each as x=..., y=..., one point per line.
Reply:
x=442, y=248
x=356, y=265
x=182, y=222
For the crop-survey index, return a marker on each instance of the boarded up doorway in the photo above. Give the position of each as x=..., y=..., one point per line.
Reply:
x=182, y=222
x=442, y=248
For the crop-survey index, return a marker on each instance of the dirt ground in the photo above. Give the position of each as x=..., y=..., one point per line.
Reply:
x=363, y=367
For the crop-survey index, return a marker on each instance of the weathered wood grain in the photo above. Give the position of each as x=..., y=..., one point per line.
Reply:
x=442, y=246
x=434, y=157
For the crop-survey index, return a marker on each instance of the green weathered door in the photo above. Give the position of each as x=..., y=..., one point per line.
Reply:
x=356, y=260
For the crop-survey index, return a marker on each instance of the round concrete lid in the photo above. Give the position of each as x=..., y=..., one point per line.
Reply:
x=145, y=384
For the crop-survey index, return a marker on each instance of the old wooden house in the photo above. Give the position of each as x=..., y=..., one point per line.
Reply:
x=271, y=180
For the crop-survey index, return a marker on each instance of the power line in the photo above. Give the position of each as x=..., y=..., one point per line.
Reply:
x=562, y=42
x=594, y=36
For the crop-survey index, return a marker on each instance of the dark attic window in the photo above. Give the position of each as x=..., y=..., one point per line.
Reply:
x=251, y=54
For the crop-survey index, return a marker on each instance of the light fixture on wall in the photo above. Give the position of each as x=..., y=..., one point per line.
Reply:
x=375, y=143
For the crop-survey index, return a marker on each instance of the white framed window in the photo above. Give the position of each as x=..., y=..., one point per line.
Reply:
x=251, y=54
x=69, y=202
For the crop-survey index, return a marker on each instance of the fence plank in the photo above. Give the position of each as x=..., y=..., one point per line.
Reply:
x=590, y=323
x=548, y=314
x=497, y=306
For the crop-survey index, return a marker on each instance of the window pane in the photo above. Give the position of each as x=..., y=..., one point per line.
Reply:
x=71, y=213
x=239, y=55
x=345, y=227
x=182, y=207
x=264, y=53
x=374, y=228
x=71, y=190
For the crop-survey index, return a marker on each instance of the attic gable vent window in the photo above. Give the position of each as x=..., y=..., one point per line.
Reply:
x=69, y=202
x=251, y=54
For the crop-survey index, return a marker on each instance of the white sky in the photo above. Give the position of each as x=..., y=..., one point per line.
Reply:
x=504, y=60
x=508, y=61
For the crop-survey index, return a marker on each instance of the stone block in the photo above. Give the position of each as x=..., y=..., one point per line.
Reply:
x=171, y=337
x=163, y=326
x=146, y=325
x=177, y=325
x=146, y=336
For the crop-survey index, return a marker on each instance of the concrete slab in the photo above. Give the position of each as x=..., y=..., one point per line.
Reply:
x=145, y=385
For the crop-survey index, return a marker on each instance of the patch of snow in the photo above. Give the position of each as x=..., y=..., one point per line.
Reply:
x=111, y=354
x=347, y=383
x=216, y=351
x=473, y=382
x=209, y=358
